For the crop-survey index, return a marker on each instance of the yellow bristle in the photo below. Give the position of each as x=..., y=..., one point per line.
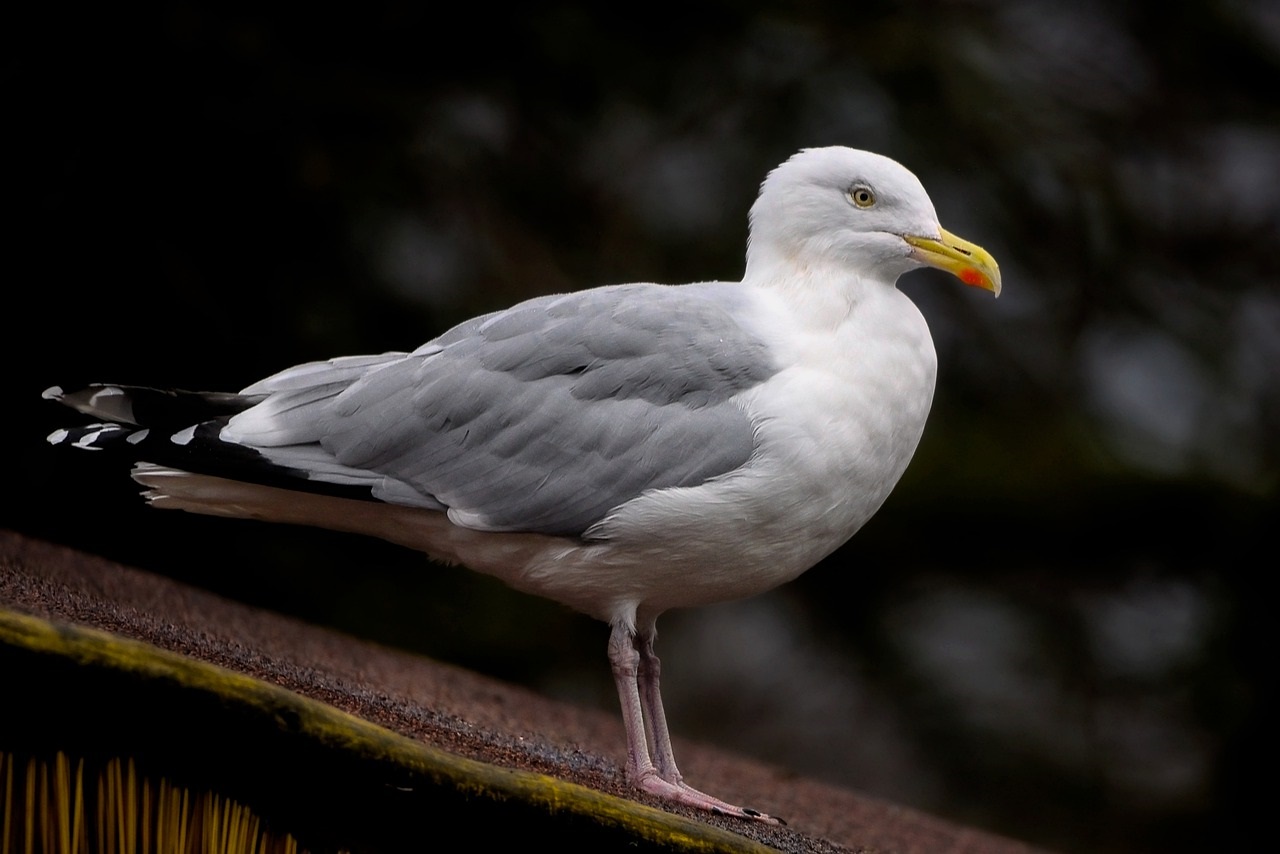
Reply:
x=33, y=773
x=55, y=801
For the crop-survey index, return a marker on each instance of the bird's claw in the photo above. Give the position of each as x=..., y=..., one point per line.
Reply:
x=685, y=795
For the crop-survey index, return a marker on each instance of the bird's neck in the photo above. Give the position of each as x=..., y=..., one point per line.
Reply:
x=821, y=292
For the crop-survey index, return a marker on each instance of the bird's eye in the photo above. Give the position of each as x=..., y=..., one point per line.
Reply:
x=862, y=196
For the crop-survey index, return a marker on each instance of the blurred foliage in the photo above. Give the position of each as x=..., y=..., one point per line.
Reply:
x=1050, y=630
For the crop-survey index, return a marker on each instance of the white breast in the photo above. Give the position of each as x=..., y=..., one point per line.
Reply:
x=836, y=427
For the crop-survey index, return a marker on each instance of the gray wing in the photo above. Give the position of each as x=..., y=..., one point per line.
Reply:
x=543, y=417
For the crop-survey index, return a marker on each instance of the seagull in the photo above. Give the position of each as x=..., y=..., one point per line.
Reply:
x=621, y=450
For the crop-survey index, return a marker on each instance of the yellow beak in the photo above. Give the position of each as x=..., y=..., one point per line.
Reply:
x=968, y=262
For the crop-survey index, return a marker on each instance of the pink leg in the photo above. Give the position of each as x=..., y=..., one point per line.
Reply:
x=636, y=672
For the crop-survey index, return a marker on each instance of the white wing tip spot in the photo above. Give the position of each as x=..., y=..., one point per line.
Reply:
x=86, y=442
x=184, y=437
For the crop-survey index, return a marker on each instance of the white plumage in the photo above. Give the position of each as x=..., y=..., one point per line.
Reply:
x=622, y=450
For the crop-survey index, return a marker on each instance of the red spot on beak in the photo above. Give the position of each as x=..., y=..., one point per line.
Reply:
x=971, y=276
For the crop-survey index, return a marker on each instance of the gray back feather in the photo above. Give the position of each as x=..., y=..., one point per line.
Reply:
x=543, y=417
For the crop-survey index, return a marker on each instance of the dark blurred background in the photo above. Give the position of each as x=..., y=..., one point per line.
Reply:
x=1056, y=626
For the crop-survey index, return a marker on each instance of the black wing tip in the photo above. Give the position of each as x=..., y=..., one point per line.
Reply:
x=198, y=449
x=95, y=437
x=164, y=409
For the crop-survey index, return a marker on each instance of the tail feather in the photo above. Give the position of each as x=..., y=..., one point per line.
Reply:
x=183, y=431
x=177, y=489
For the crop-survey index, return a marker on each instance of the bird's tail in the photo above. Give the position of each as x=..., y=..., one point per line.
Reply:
x=181, y=432
x=146, y=423
x=175, y=442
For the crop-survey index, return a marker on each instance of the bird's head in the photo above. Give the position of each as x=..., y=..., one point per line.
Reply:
x=861, y=210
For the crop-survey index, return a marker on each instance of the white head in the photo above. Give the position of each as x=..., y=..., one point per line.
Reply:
x=861, y=211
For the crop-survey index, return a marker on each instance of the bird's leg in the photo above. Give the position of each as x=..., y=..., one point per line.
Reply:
x=649, y=675
x=624, y=659
x=636, y=672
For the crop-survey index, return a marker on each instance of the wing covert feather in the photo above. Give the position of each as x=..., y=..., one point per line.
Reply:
x=546, y=416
